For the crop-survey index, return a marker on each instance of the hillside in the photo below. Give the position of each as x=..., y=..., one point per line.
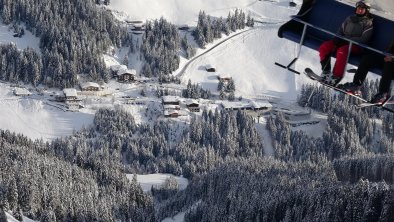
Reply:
x=116, y=156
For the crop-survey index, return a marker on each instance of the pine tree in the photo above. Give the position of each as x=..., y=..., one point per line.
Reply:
x=13, y=195
x=3, y=216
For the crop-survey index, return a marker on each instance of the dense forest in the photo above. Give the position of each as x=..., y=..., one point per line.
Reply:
x=346, y=175
x=73, y=36
x=210, y=28
x=36, y=183
x=94, y=160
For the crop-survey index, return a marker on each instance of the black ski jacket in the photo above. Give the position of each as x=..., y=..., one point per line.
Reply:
x=357, y=28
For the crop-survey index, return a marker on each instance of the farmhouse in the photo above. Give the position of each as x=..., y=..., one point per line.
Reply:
x=70, y=97
x=70, y=94
x=170, y=100
x=126, y=75
x=90, y=86
x=193, y=105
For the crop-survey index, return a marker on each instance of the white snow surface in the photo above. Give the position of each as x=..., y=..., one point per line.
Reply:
x=176, y=11
x=27, y=40
x=35, y=119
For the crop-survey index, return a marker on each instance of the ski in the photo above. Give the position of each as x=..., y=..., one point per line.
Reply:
x=389, y=101
x=364, y=103
x=312, y=75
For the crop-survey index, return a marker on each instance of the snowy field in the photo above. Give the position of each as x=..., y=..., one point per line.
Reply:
x=34, y=118
x=156, y=180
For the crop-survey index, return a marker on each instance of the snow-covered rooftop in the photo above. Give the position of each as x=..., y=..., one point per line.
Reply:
x=127, y=71
x=234, y=105
x=224, y=76
x=191, y=101
x=170, y=99
x=171, y=107
x=21, y=92
x=70, y=92
x=260, y=104
x=89, y=84
x=118, y=67
x=169, y=112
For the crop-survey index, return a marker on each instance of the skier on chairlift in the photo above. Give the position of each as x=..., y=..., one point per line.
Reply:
x=358, y=28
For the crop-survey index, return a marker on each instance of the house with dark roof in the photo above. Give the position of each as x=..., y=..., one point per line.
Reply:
x=193, y=105
x=126, y=75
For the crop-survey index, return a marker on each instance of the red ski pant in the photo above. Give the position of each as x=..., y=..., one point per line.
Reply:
x=341, y=55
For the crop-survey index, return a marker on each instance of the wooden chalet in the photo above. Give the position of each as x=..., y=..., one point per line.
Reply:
x=193, y=106
x=90, y=86
x=126, y=75
x=70, y=97
x=70, y=94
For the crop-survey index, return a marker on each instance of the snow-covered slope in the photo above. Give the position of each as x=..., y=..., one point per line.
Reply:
x=27, y=40
x=35, y=118
x=176, y=11
x=248, y=58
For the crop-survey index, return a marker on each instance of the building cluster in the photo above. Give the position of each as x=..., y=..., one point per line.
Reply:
x=172, y=106
x=263, y=106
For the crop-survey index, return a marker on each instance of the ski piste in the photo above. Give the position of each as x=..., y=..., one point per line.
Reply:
x=312, y=75
x=365, y=103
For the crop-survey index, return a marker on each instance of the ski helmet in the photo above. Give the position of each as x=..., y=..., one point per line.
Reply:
x=363, y=4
